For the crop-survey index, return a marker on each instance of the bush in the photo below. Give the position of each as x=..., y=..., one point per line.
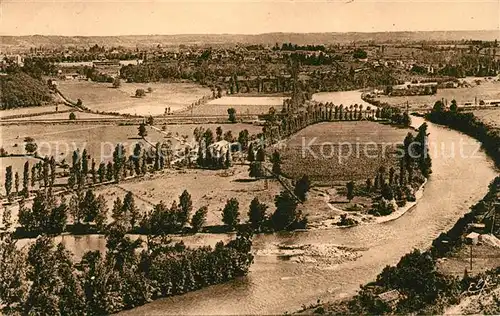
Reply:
x=139, y=93
x=72, y=116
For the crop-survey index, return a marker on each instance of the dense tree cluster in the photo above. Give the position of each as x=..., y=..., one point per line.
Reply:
x=21, y=90
x=469, y=124
x=45, y=281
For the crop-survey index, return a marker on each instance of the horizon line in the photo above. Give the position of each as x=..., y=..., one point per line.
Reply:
x=265, y=33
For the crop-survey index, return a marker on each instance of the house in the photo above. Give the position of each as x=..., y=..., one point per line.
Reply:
x=472, y=238
x=390, y=298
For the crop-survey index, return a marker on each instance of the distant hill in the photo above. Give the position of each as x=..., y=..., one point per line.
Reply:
x=267, y=38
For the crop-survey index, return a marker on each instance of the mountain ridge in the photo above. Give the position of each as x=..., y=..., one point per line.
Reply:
x=264, y=38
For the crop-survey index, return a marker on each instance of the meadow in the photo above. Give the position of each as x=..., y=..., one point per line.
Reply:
x=61, y=140
x=242, y=105
x=210, y=188
x=341, y=151
x=103, y=97
x=490, y=116
x=5, y=114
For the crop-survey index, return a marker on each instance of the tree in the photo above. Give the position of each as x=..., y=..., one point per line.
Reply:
x=302, y=187
x=30, y=146
x=231, y=213
x=368, y=185
x=109, y=171
x=387, y=192
x=438, y=107
x=243, y=139
x=8, y=180
x=261, y=155
x=276, y=160
x=117, y=211
x=85, y=163
x=186, y=206
x=208, y=137
x=228, y=137
x=102, y=213
x=286, y=215
x=251, y=153
x=359, y=54
x=199, y=219
x=142, y=130
x=33, y=176
x=26, y=175
x=117, y=82
x=350, y=190
x=55, y=289
x=453, y=106
x=93, y=171
x=72, y=116
x=139, y=93
x=16, y=182
x=232, y=115
x=13, y=276
x=257, y=213
x=255, y=169
x=101, y=172
x=130, y=210
x=218, y=132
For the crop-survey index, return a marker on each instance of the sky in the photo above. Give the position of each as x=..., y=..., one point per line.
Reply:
x=141, y=17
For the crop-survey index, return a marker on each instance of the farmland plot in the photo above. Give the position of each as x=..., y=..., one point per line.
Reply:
x=342, y=151
x=103, y=97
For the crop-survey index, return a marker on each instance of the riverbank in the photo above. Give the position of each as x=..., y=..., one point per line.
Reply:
x=404, y=209
x=442, y=288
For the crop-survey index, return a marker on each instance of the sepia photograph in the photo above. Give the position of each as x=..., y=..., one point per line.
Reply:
x=249, y=157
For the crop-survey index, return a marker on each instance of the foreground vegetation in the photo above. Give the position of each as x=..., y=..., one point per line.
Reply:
x=45, y=280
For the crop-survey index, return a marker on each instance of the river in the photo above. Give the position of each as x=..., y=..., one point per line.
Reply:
x=275, y=286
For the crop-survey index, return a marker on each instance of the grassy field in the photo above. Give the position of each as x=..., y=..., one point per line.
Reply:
x=484, y=257
x=32, y=110
x=341, y=151
x=242, y=105
x=341, y=97
x=490, y=116
x=102, y=97
x=64, y=116
x=207, y=187
x=99, y=140
x=484, y=91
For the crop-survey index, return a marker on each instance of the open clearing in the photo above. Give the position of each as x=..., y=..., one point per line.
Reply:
x=341, y=151
x=61, y=140
x=490, y=116
x=4, y=114
x=64, y=116
x=242, y=105
x=207, y=187
x=345, y=98
x=485, y=91
x=103, y=97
